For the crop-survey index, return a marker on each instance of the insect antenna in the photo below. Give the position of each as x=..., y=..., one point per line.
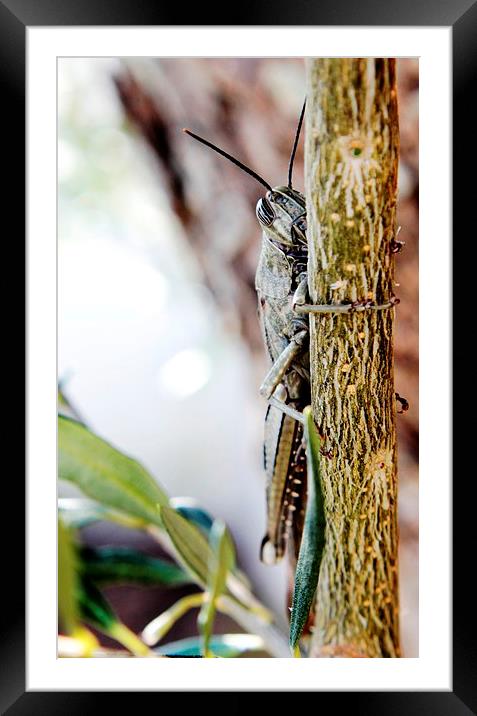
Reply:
x=295, y=145
x=230, y=158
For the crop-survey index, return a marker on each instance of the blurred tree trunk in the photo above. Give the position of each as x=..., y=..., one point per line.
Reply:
x=227, y=101
x=351, y=159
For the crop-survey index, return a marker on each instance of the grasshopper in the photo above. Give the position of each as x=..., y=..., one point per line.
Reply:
x=281, y=283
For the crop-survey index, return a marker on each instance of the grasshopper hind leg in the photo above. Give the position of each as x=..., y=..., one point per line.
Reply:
x=286, y=492
x=296, y=493
x=272, y=549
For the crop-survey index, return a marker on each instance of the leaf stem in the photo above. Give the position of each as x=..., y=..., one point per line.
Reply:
x=128, y=639
x=158, y=628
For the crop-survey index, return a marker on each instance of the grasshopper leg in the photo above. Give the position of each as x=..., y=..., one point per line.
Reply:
x=286, y=474
x=281, y=494
x=282, y=364
x=300, y=305
x=301, y=294
x=280, y=405
x=343, y=307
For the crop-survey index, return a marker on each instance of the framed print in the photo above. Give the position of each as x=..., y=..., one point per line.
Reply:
x=165, y=538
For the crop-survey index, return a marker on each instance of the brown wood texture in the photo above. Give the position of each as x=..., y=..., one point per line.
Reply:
x=351, y=165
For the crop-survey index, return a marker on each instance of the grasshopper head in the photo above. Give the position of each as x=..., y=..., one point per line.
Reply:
x=282, y=215
x=282, y=211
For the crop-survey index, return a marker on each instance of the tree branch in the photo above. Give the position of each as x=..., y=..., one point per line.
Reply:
x=351, y=175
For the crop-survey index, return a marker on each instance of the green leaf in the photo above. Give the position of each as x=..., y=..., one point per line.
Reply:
x=222, y=561
x=64, y=406
x=105, y=474
x=61, y=399
x=195, y=553
x=67, y=579
x=192, y=547
x=188, y=508
x=112, y=565
x=313, y=538
x=223, y=645
x=96, y=610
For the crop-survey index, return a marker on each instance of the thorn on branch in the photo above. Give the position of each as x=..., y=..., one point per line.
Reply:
x=403, y=402
x=396, y=246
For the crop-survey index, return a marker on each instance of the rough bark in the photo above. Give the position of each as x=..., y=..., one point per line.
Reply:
x=351, y=162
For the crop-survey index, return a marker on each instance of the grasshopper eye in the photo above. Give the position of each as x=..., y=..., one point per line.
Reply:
x=265, y=213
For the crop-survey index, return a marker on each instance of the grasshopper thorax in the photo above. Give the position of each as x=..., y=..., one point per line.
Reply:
x=282, y=215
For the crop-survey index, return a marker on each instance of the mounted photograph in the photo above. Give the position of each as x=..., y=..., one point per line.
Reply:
x=238, y=357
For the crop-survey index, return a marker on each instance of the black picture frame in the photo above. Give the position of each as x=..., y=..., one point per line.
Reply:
x=15, y=17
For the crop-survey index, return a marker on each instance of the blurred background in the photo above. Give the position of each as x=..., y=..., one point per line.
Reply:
x=158, y=337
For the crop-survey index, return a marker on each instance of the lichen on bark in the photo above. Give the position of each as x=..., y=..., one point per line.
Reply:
x=351, y=164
